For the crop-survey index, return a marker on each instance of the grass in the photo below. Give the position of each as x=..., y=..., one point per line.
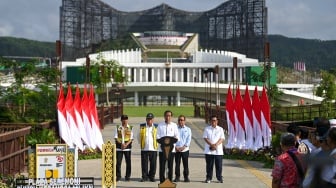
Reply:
x=141, y=111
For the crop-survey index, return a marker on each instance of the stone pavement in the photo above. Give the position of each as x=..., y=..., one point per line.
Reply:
x=237, y=174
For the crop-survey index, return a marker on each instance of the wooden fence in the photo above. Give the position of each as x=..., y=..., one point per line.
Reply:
x=13, y=148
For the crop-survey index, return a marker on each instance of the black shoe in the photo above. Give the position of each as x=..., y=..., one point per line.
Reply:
x=207, y=181
x=143, y=180
x=186, y=180
x=176, y=179
x=220, y=181
x=118, y=179
x=152, y=179
x=127, y=179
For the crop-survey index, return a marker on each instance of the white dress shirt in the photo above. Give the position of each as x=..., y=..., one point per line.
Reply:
x=165, y=129
x=213, y=135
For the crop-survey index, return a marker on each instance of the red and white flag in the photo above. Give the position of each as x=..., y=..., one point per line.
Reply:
x=87, y=120
x=239, y=120
x=78, y=114
x=230, y=120
x=71, y=119
x=265, y=118
x=257, y=129
x=248, y=119
x=63, y=127
x=94, y=120
x=300, y=66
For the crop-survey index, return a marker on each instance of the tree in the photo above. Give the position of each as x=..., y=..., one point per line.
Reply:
x=31, y=97
x=327, y=89
x=104, y=72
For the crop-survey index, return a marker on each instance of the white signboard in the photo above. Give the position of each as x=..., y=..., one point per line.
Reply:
x=51, y=161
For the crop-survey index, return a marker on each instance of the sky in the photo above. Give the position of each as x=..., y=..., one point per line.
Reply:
x=39, y=19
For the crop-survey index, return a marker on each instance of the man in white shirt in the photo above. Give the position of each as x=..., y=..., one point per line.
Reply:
x=213, y=136
x=166, y=128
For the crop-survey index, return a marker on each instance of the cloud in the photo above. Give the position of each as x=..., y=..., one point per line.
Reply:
x=302, y=18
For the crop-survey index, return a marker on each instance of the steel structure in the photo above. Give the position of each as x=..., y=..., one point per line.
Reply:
x=235, y=25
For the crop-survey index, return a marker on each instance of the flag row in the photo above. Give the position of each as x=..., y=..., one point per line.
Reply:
x=78, y=121
x=300, y=66
x=248, y=120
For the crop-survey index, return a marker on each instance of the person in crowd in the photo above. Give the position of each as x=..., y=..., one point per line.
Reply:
x=296, y=130
x=213, y=136
x=328, y=174
x=166, y=128
x=305, y=146
x=288, y=170
x=317, y=159
x=149, y=147
x=332, y=122
x=182, y=150
x=123, y=138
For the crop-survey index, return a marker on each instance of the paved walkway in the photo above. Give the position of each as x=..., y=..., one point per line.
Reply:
x=236, y=174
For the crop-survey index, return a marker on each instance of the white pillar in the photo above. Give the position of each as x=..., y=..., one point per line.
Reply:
x=158, y=78
x=140, y=74
x=178, y=98
x=229, y=71
x=146, y=75
x=129, y=75
x=135, y=74
x=240, y=75
x=136, y=98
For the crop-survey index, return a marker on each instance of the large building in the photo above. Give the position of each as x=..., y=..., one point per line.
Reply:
x=234, y=25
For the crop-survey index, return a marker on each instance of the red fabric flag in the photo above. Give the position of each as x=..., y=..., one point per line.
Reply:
x=94, y=120
x=78, y=114
x=248, y=119
x=230, y=119
x=61, y=116
x=265, y=117
x=71, y=119
x=240, y=124
x=87, y=120
x=257, y=129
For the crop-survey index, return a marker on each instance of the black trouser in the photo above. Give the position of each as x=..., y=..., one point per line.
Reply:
x=210, y=161
x=120, y=155
x=163, y=160
x=148, y=156
x=185, y=157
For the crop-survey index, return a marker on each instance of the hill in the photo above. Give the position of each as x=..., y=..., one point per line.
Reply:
x=11, y=46
x=317, y=54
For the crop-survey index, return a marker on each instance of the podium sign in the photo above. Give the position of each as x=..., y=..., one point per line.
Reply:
x=51, y=161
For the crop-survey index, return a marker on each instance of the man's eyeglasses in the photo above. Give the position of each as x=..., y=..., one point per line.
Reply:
x=181, y=119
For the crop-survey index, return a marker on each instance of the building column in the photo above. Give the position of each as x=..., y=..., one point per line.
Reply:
x=229, y=71
x=136, y=98
x=135, y=74
x=164, y=75
x=178, y=98
x=140, y=74
x=158, y=75
x=146, y=75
